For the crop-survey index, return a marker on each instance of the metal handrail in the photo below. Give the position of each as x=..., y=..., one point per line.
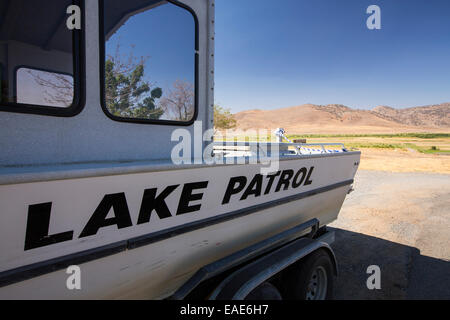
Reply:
x=298, y=146
x=254, y=143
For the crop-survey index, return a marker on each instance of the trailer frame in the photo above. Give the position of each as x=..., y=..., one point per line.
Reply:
x=236, y=275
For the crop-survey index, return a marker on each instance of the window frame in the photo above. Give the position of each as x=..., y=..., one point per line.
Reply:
x=102, y=45
x=78, y=53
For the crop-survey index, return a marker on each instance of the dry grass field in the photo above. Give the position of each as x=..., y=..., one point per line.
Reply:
x=398, y=154
x=422, y=152
x=404, y=161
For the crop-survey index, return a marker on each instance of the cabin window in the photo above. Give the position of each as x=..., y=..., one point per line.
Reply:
x=149, y=61
x=44, y=88
x=39, y=55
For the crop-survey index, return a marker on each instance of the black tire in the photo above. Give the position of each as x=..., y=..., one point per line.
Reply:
x=299, y=279
x=265, y=291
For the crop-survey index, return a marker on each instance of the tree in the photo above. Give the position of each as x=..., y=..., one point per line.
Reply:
x=127, y=94
x=58, y=87
x=179, y=104
x=223, y=119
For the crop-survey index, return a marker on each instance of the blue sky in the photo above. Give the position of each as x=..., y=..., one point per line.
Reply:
x=273, y=54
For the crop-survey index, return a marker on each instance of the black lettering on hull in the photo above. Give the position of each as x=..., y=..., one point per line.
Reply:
x=152, y=202
x=39, y=215
x=38, y=224
x=187, y=196
x=233, y=188
x=121, y=218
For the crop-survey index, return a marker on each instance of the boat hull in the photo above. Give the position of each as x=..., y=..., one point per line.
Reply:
x=142, y=235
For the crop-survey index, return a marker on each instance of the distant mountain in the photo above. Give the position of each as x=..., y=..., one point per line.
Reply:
x=337, y=118
x=432, y=116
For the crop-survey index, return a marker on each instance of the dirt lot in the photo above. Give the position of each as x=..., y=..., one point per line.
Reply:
x=400, y=222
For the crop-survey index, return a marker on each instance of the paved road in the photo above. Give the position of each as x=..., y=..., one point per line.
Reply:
x=400, y=222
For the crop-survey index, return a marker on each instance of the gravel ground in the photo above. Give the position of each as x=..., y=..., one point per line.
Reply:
x=400, y=222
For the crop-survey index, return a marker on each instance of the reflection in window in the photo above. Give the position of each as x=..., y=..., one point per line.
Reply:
x=179, y=101
x=149, y=60
x=39, y=40
x=44, y=88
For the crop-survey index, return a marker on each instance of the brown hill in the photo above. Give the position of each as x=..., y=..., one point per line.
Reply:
x=311, y=118
x=429, y=116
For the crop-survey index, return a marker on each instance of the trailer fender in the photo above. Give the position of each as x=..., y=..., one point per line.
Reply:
x=240, y=283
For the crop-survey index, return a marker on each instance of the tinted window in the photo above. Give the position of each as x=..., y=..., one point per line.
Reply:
x=37, y=55
x=149, y=62
x=44, y=88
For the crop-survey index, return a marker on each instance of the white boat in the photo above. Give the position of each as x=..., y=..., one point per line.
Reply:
x=90, y=191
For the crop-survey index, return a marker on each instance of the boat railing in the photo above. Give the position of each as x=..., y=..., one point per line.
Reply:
x=242, y=147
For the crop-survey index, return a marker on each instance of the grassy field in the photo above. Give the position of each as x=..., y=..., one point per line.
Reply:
x=404, y=152
x=396, y=152
x=398, y=135
x=432, y=143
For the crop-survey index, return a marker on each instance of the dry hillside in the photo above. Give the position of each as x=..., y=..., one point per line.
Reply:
x=428, y=116
x=310, y=118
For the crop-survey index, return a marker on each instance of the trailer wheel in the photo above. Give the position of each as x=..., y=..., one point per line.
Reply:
x=311, y=278
x=265, y=291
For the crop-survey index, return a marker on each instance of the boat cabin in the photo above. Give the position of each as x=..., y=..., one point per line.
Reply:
x=91, y=82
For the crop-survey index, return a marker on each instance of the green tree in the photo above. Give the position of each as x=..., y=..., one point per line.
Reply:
x=223, y=119
x=127, y=94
